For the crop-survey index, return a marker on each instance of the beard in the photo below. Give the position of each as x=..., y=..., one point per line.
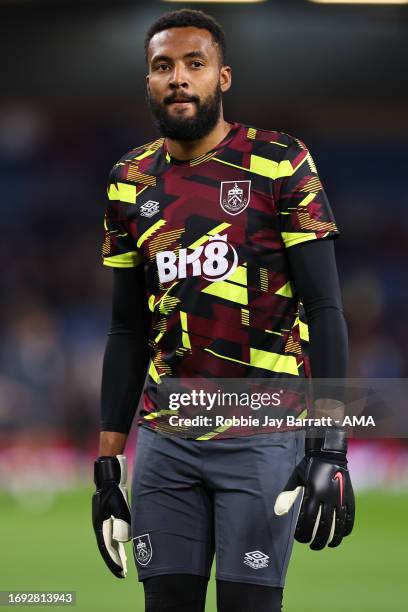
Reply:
x=187, y=128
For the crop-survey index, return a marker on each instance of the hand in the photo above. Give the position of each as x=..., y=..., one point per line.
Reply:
x=111, y=513
x=327, y=509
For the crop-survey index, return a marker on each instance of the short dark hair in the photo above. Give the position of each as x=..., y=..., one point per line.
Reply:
x=184, y=18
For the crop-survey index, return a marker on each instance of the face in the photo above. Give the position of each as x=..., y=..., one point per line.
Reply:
x=185, y=82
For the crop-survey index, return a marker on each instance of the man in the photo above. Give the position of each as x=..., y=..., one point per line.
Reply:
x=215, y=232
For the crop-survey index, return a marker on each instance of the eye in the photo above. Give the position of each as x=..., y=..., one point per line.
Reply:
x=162, y=67
x=197, y=64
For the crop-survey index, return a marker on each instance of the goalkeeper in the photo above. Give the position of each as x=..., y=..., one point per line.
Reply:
x=217, y=233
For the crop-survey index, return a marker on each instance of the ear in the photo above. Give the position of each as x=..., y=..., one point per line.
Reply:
x=225, y=78
x=147, y=85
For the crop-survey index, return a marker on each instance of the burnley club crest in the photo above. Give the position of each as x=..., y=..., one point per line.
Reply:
x=234, y=196
x=142, y=548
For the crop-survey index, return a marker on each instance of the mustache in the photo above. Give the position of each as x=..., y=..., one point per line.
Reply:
x=170, y=99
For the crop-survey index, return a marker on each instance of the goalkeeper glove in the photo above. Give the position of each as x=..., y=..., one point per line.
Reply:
x=327, y=508
x=111, y=513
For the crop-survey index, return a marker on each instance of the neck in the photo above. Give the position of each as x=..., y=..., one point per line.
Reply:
x=188, y=150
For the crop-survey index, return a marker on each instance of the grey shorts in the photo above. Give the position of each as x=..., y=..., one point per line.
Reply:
x=191, y=499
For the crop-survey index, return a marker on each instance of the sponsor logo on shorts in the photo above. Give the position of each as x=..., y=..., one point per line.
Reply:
x=143, y=549
x=256, y=559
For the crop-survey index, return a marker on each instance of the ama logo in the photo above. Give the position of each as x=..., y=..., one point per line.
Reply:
x=214, y=261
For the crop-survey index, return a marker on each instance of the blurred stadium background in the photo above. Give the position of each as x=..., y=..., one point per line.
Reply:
x=72, y=102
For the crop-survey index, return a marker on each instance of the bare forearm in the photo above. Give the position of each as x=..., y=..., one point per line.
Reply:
x=112, y=443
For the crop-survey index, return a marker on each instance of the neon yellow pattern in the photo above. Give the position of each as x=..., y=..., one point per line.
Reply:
x=122, y=192
x=225, y=357
x=239, y=276
x=292, y=238
x=134, y=174
x=216, y=230
x=222, y=161
x=162, y=241
x=154, y=373
x=168, y=304
x=270, y=168
x=244, y=316
x=153, y=415
x=159, y=335
x=201, y=159
x=303, y=414
x=263, y=275
x=151, y=303
x=313, y=184
x=286, y=290
x=123, y=260
x=149, y=232
x=266, y=167
x=278, y=143
x=219, y=228
x=274, y=361
x=212, y=434
x=146, y=153
x=303, y=331
x=228, y=291
x=184, y=336
x=307, y=199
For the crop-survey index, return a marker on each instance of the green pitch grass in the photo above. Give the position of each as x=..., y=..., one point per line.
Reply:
x=54, y=549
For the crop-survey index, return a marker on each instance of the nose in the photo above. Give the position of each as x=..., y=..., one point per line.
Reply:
x=178, y=77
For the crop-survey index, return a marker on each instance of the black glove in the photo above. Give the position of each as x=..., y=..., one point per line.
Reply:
x=110, y=512
x=327, y=509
